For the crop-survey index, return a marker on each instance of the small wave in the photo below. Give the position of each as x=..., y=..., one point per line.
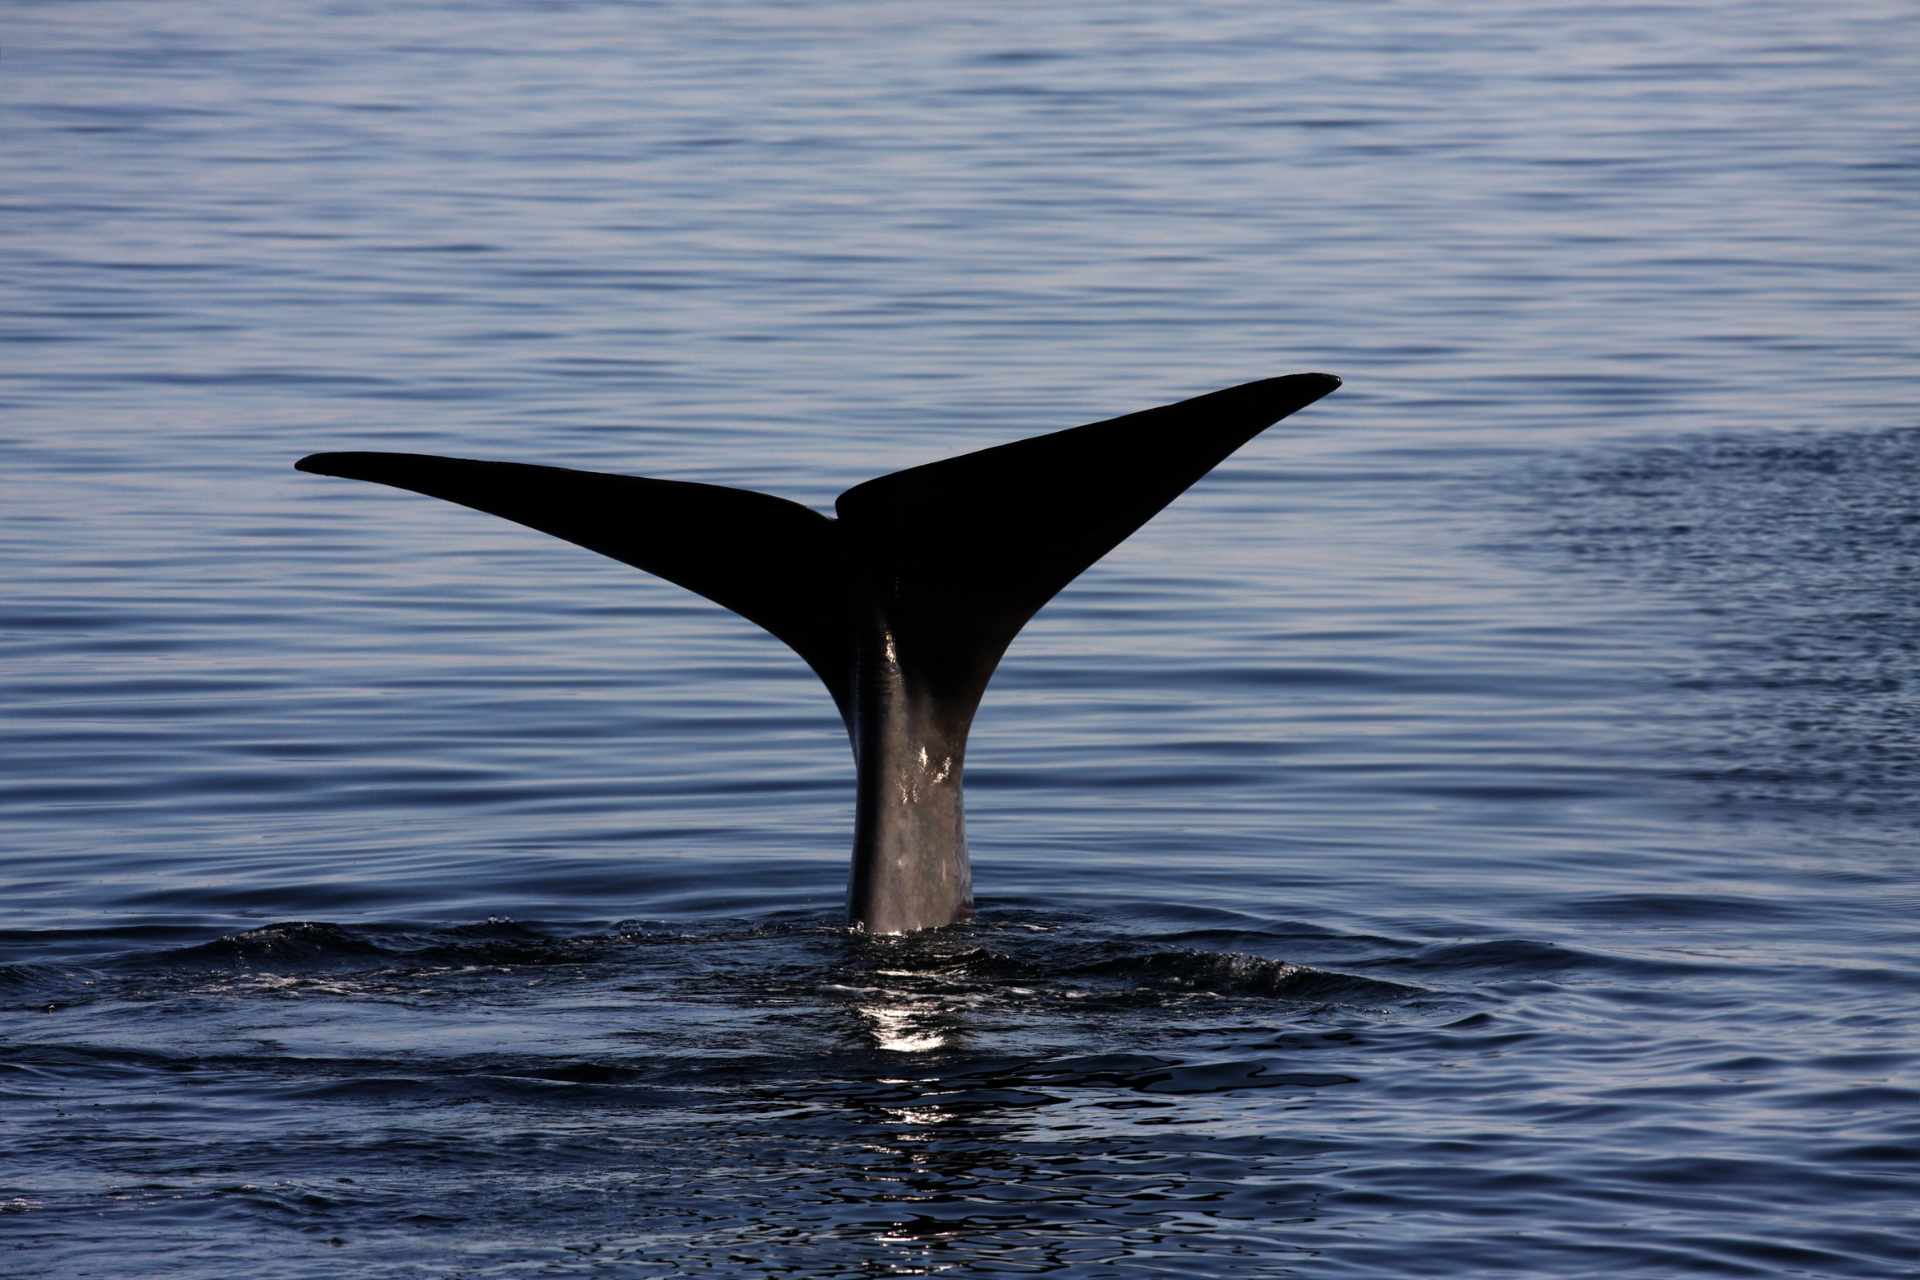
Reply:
x=290, y=942
x=1227, y=1077
x=1130, y=1072
x=1510, y=958
x=1232, y=973
x=29, y=977
x=45, y=988
x=314, y=944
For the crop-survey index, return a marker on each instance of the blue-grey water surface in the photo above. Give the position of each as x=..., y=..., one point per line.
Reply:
x=1470, y=834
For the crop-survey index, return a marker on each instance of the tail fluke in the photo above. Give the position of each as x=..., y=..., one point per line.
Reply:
x=966, y=550
x=774, y=562
x=956, y=554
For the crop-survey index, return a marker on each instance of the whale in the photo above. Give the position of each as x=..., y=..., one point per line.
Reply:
x=903, y=602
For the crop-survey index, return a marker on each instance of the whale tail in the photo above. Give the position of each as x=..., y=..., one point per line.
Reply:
x=963, y=551
x=773, y=562
x=904, y=604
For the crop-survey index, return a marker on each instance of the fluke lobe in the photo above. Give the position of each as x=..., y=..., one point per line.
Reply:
x=904, y=604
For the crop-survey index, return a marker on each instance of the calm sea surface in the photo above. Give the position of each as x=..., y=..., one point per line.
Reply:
x=1471, y=834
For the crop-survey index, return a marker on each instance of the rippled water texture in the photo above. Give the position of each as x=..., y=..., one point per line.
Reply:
x=1471, y=834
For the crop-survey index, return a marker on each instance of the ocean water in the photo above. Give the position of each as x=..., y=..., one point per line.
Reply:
x=1469, y=834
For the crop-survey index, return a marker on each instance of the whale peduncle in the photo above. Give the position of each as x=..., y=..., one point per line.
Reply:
x=910, y=864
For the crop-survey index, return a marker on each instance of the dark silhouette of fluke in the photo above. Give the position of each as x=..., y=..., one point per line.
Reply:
x=904, y=604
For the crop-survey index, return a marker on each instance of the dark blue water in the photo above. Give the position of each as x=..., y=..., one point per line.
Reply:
x=1471, y=834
